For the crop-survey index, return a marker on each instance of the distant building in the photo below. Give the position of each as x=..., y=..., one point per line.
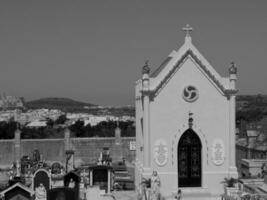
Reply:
x=37, y=124
x=11, y=102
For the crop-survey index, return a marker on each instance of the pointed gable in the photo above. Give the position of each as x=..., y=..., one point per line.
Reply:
x=17, y=190
x=175, y=61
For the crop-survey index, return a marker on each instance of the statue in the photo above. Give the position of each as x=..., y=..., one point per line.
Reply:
x=146, y=68
x=36, y=156
x=179, y=195
x=40, y=192
x=69, y=160
x=71, y=183
x=155, y=184
x=17, y=169
x=233, y=68
x=100, y=159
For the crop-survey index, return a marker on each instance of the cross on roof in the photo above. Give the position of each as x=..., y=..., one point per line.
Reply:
x=187, y=29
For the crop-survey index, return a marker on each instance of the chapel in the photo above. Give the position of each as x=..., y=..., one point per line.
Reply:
x=185, y=123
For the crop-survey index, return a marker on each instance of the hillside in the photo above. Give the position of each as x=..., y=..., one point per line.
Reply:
x=69, y=105
x=251, y=107
x=57, y=103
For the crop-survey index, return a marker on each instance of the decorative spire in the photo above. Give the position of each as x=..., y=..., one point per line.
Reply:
x=233, y=68
x=146, y=68
x=187, y=29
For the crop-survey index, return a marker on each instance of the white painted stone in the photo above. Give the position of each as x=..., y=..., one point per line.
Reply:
x=218, y=152
x=164, y=113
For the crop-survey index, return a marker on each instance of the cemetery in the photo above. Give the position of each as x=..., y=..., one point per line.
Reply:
x=34, y=177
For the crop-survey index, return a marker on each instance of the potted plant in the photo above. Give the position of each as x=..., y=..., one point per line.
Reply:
x=230, y=186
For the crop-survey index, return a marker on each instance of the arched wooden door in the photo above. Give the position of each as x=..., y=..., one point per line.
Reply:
x=189, y=160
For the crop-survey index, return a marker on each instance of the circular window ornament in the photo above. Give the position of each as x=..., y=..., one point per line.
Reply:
x=190, y=93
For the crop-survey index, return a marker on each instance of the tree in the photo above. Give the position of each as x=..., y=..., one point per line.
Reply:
x=61, y=119
x=78, y=128
x=49, y=122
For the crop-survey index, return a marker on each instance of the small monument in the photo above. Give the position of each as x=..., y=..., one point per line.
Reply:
x=117, y=148
x=72, y=181
x=100, y=175
x=155, y=186
x=40, y=192
x=17, y=191
x=69, y=160
x=62, y=193
x=56, y=168
x=41, y=178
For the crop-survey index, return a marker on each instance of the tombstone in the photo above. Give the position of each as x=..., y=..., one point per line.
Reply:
x=117, y=152
x=41, y=176
x=100, y=175
x=36, y=156
x=69, y=160
x=106, y=159
x=72, y=180
x=17, y=191
x=40, y=192
x=26, y=164
x=56, y=168
x=62, y=193
x=16, y=174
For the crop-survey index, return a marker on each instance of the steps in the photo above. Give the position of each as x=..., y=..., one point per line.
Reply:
x=195, y=194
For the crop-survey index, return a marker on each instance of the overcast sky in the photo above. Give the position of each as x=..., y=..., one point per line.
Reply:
x=94, y=50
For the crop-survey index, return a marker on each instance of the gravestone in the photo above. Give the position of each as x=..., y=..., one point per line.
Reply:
x=72, y=180
x=17, y=191
x=69, y=160
x=41, y=176
x=62, y=193
x=100, y=175
x=56, y=168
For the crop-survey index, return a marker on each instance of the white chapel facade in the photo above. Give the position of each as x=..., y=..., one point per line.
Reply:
x=185, y=122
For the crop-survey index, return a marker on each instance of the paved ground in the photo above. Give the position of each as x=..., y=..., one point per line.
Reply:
x=125, y=195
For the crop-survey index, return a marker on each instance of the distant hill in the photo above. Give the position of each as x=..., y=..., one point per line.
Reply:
x=63, y=104
x=69, y=105
x=251, y=107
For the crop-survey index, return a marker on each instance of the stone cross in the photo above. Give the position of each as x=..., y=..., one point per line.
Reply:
x=187, y=29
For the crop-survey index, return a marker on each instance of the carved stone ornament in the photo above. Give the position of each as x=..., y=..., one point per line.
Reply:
x=218, y=152
x=190, y=93
x=160, y=152
x=233, y=68
x=146, y=68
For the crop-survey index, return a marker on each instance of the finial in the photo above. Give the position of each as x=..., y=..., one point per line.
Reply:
x=146, y=68
x=233, y=68
x=187, y=29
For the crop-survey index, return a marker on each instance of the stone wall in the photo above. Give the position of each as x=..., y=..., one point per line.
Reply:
x=7, y=152
x=87, y=150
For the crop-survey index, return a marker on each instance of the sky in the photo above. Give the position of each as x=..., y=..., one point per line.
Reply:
x=93, y=51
